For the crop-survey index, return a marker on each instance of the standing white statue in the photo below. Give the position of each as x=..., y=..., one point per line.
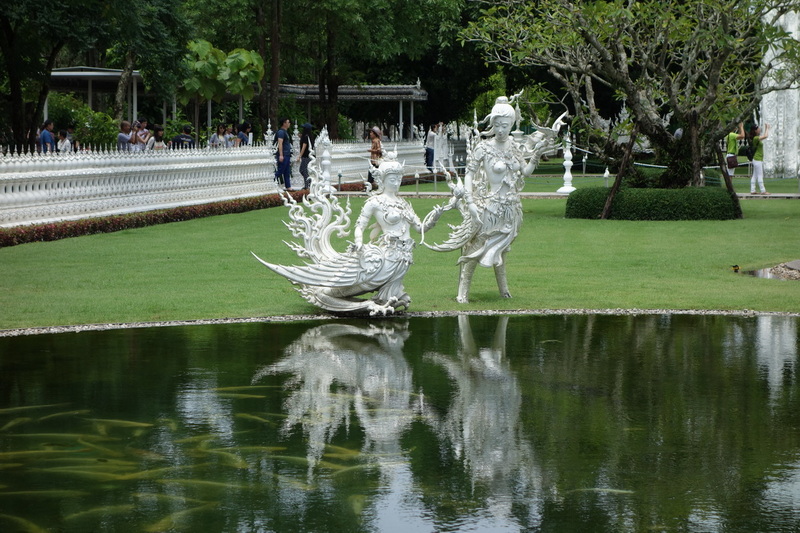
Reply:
x=333, y=280
x=489, y=196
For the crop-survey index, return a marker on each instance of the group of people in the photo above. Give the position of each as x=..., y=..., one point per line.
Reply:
x=754, y=139
x=48, y=142
x=137, y=136
x=282, y=141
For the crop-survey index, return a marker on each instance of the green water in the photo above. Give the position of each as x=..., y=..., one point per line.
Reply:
x=556, y=423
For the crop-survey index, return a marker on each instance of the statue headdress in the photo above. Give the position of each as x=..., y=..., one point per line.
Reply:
x=388, y=165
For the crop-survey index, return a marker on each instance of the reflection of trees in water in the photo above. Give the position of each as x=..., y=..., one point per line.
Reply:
x=642, y=421
x=672, y=408
x=338, y=370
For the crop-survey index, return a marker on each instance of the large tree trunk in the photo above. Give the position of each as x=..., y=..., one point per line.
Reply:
x=26, y=117
x=275, y=66
x=623, y=168
x=697, y=166
x=723, y=166
x=263, y=95
x=120, y=98
x=330, y=82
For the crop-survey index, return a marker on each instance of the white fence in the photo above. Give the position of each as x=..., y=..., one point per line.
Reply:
x=37, y=188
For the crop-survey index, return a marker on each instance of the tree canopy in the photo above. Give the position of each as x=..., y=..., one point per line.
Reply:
x=699, y=65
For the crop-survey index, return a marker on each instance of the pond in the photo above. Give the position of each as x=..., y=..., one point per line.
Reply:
x=599, y=423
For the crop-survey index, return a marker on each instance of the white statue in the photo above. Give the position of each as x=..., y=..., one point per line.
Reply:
x=489, y=196
x=333, y=280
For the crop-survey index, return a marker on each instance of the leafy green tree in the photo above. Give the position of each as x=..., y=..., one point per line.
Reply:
x=331, y=42
x=31, y=38
x=704, y=63
x=93, y=129
x=149, y=36
x=213, y=74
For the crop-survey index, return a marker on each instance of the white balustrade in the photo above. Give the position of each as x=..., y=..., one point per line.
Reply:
x=36, y=188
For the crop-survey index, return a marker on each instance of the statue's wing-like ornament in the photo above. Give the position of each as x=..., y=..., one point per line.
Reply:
x=459, y=234
x=342, y=271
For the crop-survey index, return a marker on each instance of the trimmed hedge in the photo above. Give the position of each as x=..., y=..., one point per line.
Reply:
x=88, y=226
x=690, y=203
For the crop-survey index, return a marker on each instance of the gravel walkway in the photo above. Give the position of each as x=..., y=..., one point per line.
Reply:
x=296, y=318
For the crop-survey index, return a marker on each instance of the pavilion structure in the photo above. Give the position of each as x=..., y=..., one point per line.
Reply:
x=92, y=81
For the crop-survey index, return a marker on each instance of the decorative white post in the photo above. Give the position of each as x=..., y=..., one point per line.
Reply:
x=324, y=145
x=295, y=151
x=567, y=188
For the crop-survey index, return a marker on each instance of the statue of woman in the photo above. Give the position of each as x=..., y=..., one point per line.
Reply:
x=495, y=175
x=333, y=280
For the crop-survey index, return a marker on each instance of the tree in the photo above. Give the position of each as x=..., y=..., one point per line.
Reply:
x=705, y=64
x=346, y=37
x=149, y=36
x=31, y=39
x=213, y=74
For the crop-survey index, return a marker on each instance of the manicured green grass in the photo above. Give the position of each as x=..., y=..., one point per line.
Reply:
x=202, y=269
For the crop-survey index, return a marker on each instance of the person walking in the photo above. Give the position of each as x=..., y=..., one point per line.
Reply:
x=47, y=143
x=304, y=157
x=430, y=144
x=375, y=151
x=757, y=139
x=283, y=155
x=217, y=139
x=156, y=141
x=244, y=134
x=183, y=140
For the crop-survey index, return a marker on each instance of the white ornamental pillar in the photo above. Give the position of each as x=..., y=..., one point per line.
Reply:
x=567, y=188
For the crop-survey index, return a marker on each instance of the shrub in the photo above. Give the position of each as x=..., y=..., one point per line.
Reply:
x=88, y=226
x=705, y=203
x=92, y=128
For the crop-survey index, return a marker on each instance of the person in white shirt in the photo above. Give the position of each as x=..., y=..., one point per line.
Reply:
x=430, y=145
x=64, y=146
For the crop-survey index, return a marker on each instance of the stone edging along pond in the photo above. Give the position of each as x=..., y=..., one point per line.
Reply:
x=423, y=314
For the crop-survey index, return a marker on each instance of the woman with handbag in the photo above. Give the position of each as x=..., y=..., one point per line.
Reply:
x=733, y=139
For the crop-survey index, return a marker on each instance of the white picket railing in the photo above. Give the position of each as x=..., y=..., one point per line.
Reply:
x=36, y=188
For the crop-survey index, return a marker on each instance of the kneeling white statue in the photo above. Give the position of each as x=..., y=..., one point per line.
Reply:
x=333, y=280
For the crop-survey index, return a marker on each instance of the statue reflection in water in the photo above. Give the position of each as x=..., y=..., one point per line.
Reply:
x=482, y=423
x=348, y=378
x=339, y=371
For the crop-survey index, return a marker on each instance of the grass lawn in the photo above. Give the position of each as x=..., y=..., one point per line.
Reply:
x=202, y=269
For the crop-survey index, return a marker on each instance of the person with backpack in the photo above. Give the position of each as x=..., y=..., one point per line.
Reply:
x=283, y=154
x=757, y=139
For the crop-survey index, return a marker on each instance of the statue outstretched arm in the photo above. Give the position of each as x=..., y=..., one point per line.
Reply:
x=540, y=141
